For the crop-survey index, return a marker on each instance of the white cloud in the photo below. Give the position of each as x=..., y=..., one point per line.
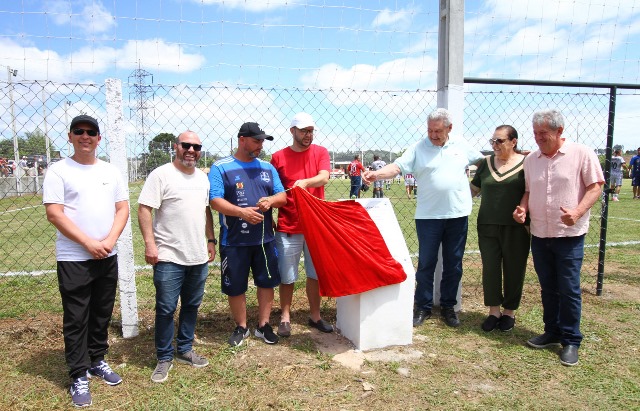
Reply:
x=93, y=17
x=249, y=5
x=156, y=54
x=558, y=11
x=414, y=72
x=391, y=18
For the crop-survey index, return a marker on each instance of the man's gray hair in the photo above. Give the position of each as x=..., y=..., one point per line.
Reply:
x=441, y=114
x=550, y=117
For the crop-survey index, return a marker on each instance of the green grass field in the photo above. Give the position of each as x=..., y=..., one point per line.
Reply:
x=462, y=368
x=28, y=248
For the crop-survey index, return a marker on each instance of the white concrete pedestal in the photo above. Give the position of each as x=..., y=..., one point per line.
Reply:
x=381, y=317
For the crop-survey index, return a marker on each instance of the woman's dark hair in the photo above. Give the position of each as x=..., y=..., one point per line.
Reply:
x=512, y=134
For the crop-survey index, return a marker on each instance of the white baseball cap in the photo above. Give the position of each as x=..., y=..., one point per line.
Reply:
x=302, y=120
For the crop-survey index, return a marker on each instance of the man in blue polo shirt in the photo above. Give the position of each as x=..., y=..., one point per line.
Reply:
x=244, y=189
x=442, y=212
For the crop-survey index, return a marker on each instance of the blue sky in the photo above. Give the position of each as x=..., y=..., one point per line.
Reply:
x=322, y=44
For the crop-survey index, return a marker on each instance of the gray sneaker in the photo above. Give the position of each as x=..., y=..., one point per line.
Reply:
x=161, y=373
x=238, y=336
x=193, y=359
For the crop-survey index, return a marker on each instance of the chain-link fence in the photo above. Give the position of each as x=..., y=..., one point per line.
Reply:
x=35, y=118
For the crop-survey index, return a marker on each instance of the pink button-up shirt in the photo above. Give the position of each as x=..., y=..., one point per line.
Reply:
x=559, y=181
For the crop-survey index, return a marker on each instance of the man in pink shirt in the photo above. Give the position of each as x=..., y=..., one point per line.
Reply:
x=563, y=180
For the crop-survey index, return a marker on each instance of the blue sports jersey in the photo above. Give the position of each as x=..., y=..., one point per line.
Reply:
x=243, y=184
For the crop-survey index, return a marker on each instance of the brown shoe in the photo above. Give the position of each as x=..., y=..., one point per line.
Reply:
x=284, y=329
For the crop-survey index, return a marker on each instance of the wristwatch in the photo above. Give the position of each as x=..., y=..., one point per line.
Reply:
x=213, y=240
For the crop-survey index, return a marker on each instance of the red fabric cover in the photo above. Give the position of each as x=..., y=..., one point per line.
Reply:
x=348, y=251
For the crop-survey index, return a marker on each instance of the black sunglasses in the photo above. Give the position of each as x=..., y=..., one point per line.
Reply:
x=497, y=140
x=81, y=131
x=187, y=146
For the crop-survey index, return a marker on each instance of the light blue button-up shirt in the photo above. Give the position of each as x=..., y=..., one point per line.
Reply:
x=443, y=186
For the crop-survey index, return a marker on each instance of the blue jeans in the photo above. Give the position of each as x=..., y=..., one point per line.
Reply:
x=558, y=262
x=173, y=281
x=356, y=183
x=452, y=234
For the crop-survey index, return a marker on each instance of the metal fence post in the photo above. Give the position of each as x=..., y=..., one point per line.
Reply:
x=118, y=157
x=604, y=216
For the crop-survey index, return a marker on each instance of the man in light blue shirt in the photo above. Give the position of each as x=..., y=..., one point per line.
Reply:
x=442, y=212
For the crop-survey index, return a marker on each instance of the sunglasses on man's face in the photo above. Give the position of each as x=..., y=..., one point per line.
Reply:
x=81, y=131
x=187, y=146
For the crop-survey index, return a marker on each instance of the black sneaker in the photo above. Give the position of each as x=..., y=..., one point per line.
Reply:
x=569, y=355
x=105, y=372
x=266, y=333
x=450, y=316
x=79, y=390
x=238, y=336
x=543, y=341
x=490, y=323
x=321, y=325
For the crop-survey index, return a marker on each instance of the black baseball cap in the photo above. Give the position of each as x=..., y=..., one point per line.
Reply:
x=83, y=118
x=253, y=130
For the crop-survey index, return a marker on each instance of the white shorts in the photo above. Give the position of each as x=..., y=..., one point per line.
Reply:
x=616, y=180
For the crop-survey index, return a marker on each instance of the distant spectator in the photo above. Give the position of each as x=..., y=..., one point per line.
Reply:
x=410, y=185
x=617, y=165
x=634, y=173
x=377, y=185
x=355, y=172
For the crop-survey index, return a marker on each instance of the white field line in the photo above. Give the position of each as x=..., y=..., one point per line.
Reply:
x=20, y=209
x=148, y=267
x=624, y=219
x=43, y=272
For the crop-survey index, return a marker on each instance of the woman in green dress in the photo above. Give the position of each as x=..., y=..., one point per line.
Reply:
x=504, y=244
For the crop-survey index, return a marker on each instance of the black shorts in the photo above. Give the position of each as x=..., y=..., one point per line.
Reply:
x=236, y=262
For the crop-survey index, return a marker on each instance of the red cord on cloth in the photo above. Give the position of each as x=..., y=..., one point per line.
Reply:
x=347, y=249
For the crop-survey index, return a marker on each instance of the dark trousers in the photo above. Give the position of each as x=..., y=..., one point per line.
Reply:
x=558, y=262
x=88, y=291
x=356, y=184
x=504, y=250
x=452, y=234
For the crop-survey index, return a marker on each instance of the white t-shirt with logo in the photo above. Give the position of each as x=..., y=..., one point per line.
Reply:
x=89, y=194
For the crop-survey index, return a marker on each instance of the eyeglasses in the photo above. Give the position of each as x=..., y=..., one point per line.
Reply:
x=81, y=131
x=493, y=141
x=305, y=131
x=187, y=146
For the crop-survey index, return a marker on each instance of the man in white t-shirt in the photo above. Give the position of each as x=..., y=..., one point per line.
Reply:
x=617, y=165
x=377, y=185
x=179, y=243
x=87, y=201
